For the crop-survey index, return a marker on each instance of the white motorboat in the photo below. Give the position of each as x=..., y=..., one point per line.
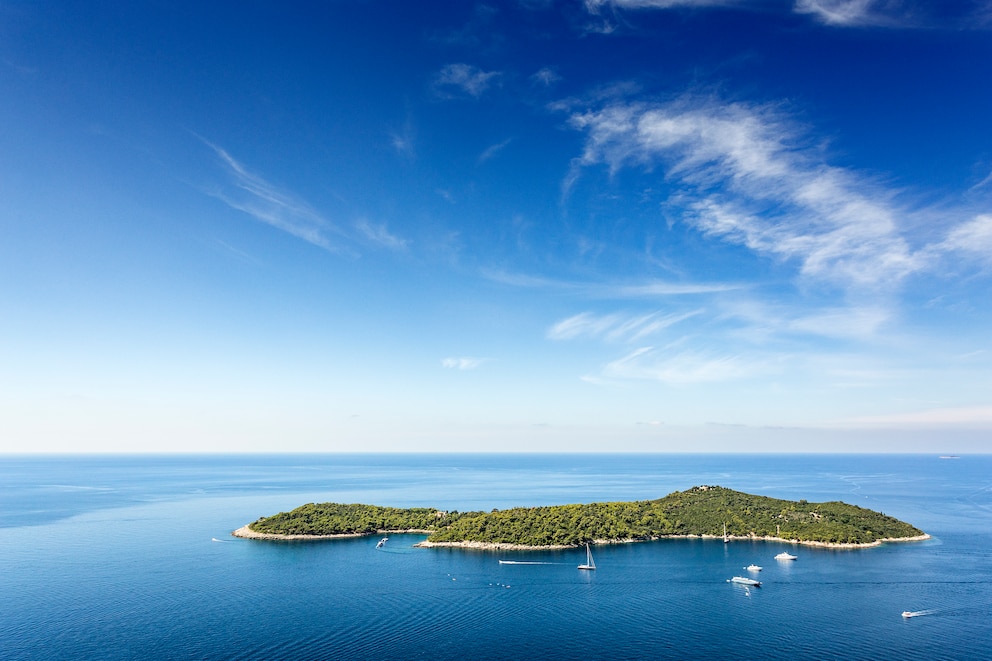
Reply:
x=753, y=568
x=917, y=613
x=785, y=556
x=745, y=581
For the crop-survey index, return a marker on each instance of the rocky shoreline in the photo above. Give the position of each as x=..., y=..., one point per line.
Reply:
x=838, y=545
x=494, y=546
x=499, y=546
x=247, y=533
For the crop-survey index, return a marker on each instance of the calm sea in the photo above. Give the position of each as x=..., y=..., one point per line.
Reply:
x=127, y=557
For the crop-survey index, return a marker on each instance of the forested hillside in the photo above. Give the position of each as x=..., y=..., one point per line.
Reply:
x=335, y=519
x=702, y=510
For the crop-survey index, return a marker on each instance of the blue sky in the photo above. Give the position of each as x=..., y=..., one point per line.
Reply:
x=611, y=225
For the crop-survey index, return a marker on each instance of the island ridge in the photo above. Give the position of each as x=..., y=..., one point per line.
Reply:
x=702, y=511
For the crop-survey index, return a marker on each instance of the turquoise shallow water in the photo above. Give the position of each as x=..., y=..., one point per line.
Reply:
x=115, y=558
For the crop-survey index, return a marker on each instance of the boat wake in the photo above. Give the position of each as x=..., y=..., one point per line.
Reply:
x=222, y=541
x=525, y=562
x=917, y=613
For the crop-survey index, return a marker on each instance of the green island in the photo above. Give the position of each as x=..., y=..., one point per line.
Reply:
x=701, y=511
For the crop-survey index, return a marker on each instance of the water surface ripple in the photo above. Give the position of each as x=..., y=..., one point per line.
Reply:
x=113, y=558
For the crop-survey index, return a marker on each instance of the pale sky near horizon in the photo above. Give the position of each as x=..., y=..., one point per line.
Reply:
x=610, y=225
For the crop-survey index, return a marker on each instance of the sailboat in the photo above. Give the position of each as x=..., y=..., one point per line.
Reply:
x=589, y=562
x=725, y=538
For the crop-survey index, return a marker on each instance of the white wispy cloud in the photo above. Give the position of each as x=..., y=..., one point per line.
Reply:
x=973, y=237
x=895, y=14
x=525, y=281
x=380, y=235
x=463, y=363
x=283, y=210
x=491, y=151
x=402, y=144
x=984, y=182
x=546, y=77
x=761, y=322
x=756, y=339
x=615, y=327
x=648, y=289
x=744, y=175
x=681, y=367
x=239, y=254
x=403, y=141
x=594, y=6
x=847, y=322
x=858, y=13
x=982, y=16
x=270, y=204
x=661, y=288
x=464, y=79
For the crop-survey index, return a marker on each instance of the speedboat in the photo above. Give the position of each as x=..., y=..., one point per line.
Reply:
x=745, y=581
x=753, y=568
x=382, y=542
x=785, y=556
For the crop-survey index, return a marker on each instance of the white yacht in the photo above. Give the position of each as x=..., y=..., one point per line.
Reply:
x=753, y=568
x=589, y=562
x=785, y=556
x=745, y=581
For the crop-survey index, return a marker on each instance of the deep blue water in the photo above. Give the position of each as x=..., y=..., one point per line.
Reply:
x=113, y=558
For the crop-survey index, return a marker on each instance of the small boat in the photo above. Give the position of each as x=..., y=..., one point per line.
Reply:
x=785, y=556
x=382, y=542
x=589, y=562
x=917, y=613
x=753, y=568
x=745, y=581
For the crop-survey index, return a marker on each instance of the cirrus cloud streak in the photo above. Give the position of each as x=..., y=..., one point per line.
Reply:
x=742, y=173
x=463, y=363
x=271, y=205
x=615, y=327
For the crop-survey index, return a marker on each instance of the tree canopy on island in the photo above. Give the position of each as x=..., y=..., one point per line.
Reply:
x=336, y=519
x=702, y=510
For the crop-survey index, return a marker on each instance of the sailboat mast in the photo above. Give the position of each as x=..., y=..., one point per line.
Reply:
x=589, y=561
